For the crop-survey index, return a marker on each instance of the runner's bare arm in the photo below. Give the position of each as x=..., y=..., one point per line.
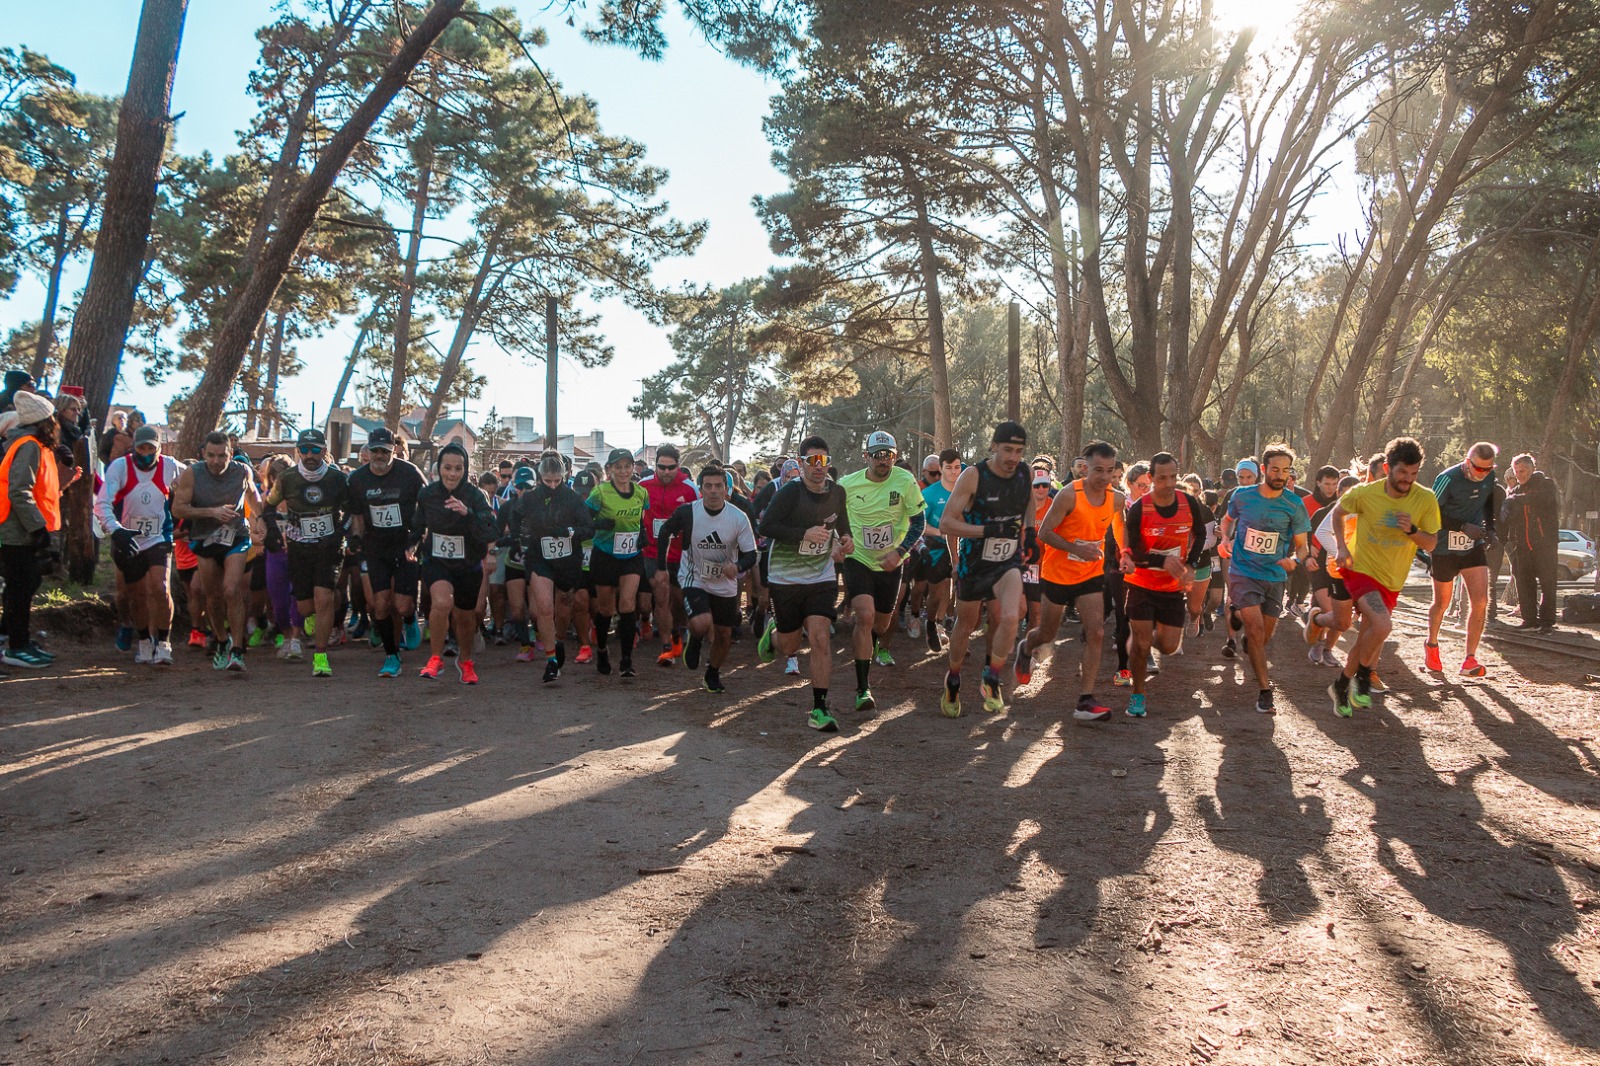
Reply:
x=1060, y=508
x=960, y=500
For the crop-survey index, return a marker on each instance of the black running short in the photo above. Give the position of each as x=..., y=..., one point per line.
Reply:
x=882, y=585
x=1067, y=595
x=793, y=604
x=724, y=610
x=978, y=584
x=465, y=581
x=1446, y=567
x=313, y=566
x=1162, y=608
x=136, y=568
x=566, y=574
x=388, y=570
x=607, y=571
x=932, y=568
x=258, y=573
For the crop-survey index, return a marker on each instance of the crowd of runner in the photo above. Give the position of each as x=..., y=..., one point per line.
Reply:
x=295, y=554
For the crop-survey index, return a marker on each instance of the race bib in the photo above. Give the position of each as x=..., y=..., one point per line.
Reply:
x=877, y=538
x=625, y=543
x=223, y=535
x=712, y=571
x=588, y=550
x=812, y=550
x=1031, y=575
x=998, y=551
x=555, y=547
x=655, y=527
x=1261, y=541
x=385, y=515
x=316, y=526
x=1459, y=541
x=144, y=525
x=448, y=547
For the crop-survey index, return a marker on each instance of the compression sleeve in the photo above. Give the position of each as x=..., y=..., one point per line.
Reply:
x=1133, y=535
x=913, y=533
x=1488, y=507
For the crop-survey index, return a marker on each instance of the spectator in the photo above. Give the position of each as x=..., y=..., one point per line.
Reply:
x=30, y=510
x=74, y=420
x=1533, y=509
x=118, y=438
x=16, y=381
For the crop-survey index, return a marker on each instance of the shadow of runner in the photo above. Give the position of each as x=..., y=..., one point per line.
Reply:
x=1532, y=751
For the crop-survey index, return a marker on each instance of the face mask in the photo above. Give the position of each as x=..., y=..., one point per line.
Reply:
x=145, y=462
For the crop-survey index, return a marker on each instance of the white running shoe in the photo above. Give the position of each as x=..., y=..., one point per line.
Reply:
x=792, y=667
x=146, y=652
x=914, y=627
x=293, y=651
x=163, y=655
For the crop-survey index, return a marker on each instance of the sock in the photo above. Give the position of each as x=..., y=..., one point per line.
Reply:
x=627, y=625
x=991, y=674
x=1266, y=692
x=1341, y=684
x=1085, y=699
x=144, y=634
x=163, y=635
x=819, y=698
x=385, y=627
x=602, y=628
x=1363, y=673
x=952, y=680
x=863, y=666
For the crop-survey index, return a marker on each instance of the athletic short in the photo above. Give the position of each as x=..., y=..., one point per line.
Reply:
x=1446, y=567
x=565, y=578
x=882, y=585
x=761, y=565
x=1031, y=590
x=1219, y=579
x=219, y=552
x=313, y=566
x=978, y=584
x=650, y=567
x=465, y=581
x=607, y=571
x=1162, y=608
x=498, y=575
x=724, y=610
x=1359, y=584
x=1321, y=579
x=932, y=568
x=1248, y=592
x=793, y=604
x=1067, y=595
x=1202, y=574
x=391, y=571
x=140, y=565
x=258, y=573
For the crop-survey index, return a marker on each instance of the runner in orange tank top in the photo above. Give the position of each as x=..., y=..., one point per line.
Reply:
x=1073, y=570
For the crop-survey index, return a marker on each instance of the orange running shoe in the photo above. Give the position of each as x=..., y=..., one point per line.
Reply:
x=469, y=673
x=1431, y=660
x=670, y=654
x=431, y=670
x=1471, y=667
x=585, y=655
x=197, y=639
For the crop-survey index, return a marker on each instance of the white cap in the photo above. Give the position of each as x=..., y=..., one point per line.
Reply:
x=880, y=440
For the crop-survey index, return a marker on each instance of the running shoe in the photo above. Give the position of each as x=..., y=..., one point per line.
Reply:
x=647, y=628
x=1090, y=711
x=625, y=668
x=764, y=645
x=1264, y=704
x=374, y=639
x=390, y=667
x=914, y=627
x=950, y=698
x=277, y=640
x=602, y=661
x=791, y=666
x=219, y=661
x=1471, y=667
x=1314, y=655
x=1331, y=658
x=412, y=636
x=1313, y=632
x=468, y=672
x=993, y=700
x=1136, y=705
x=1340, y=691
x=670, y=654
x=451, y=648
x=713, y=680
x=26, y=657
x=1361, y=696
x=125, y=638
x=236, y=661
x=932, y=633
x=47, y=656
x=431, y=668
x=585, y=656
x=309, y=625
x=1230, y=649
x=1022, y=668
x=1124, y=678
x=527, y=654
x=293, y=651
x=822, y=721
x=357, y=628
x=1377, y=687
x=257, y=637
x=146, y=652
x=319, y=664
x=882, y=657
x=552, y=670
x=864, y=700
x=1430, y=659
x=163, y=654
x=197, y=639
x=691, y=653
x=1152, y=670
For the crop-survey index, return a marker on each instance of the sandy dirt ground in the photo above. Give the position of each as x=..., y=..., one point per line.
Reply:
x=205, y=868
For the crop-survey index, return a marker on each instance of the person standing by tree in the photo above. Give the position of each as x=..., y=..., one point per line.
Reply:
x=1534, y=507
x=30, y=510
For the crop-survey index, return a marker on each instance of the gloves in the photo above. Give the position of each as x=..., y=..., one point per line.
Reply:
x=1007, y=529
x=123, y=543
x=352, y=543
x=274, y=537
x=1031, y=553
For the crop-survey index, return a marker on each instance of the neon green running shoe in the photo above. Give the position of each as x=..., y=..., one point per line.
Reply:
x=309, y=625
x=257, y=636
x=993, y=701
x=950, y=698
x=822, y=721
x=864, y=700
x=319, y=665
x=882, y=657
x=764, y=645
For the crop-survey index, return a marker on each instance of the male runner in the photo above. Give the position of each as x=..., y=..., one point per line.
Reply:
x=808, y=529
x=1166, y=531
x=1465, y=494
x=211, y=496
x=1331, y=611
x=991, y=510
x=788, y=470
x=134, y=507
x=718, y=549
x=886, y=521
x=667, y=489
x=383, y=502
x=1072, y=573
x=1394, y=517
x=554, y=523
x=1263, y=537
x=315, y=495
x=935, y=564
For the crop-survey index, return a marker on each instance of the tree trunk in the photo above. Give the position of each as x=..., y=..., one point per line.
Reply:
x=100, y=327
x=233, y=339
x=408, y=292
x=1580, y=334
x=274, y=421
x=944, y=432
x=52, y=295
x=350, y=363
x=471, y=310
x=251, y=385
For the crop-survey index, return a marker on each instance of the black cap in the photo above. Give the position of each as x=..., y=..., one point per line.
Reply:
x=381, y=438
x=311, y=436
x=1009, y=433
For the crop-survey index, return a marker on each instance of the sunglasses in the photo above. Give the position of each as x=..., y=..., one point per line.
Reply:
x=379, y=451
x=310, y=449
x=816, y=460
x=931, y=472
x=665, y=467
x=883, y=453
x=1483, y=469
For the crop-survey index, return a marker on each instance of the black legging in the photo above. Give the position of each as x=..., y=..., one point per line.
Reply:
x=1117, y=604
x=21, y=567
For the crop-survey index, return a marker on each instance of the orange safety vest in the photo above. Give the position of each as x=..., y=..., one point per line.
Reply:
x=46, y=484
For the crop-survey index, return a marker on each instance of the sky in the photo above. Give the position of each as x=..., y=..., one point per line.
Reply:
x=697, y=113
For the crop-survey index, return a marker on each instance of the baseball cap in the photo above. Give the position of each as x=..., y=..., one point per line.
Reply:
x=880, y=440
x=523, y=477
x=381, y=438
x=1009, y=432
x=617, y=455
x=1042, y=477
x=311, y=436
x=147, y=435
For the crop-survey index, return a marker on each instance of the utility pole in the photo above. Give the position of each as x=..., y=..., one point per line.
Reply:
x=1014, y=361
x=552, y=363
